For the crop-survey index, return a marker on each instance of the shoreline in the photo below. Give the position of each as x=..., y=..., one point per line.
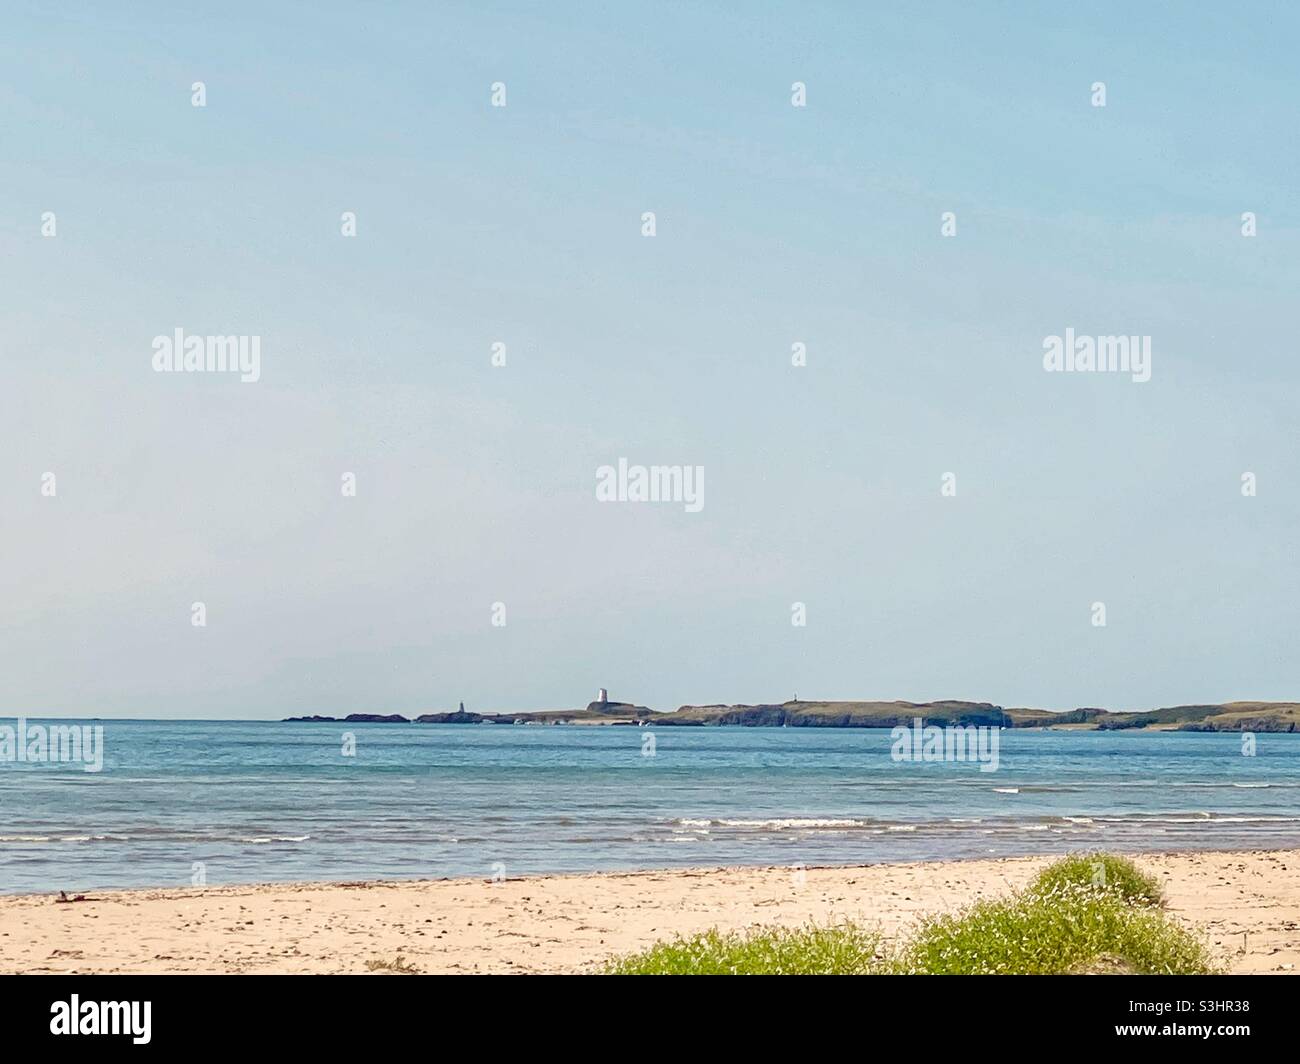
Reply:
x=1247, y=902
x=107, y=893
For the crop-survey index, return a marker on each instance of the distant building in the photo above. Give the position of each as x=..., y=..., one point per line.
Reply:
x=603, y=696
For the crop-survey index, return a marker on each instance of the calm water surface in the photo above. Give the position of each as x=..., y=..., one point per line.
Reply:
x=269, y=801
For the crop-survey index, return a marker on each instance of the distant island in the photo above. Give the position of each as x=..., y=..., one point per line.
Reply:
x=1227, y=716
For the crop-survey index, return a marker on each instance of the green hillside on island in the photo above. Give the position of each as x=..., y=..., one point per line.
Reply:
x=1228, y=716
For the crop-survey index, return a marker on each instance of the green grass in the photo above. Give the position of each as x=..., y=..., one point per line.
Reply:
x=1054, y=932
x=1101, y=871
x=845, y=949
x=1065, y=922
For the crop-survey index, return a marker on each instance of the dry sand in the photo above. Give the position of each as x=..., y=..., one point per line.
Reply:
x=1248, y=903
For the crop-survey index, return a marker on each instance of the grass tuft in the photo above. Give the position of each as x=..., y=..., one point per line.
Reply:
x=1053, y=932
x=844, y=949
x=1087, y=914
x=1101, y=871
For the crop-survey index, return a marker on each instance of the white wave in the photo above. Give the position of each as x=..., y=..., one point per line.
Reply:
x=782, y=823
x=44, y=838
x=1255, y=819
x=1199, y=818
x=272, y=838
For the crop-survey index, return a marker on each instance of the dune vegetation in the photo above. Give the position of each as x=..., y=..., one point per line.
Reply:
x=1085, y=914
x=1103, y=871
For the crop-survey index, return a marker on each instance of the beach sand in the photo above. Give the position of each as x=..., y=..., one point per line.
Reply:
x=1248, y=903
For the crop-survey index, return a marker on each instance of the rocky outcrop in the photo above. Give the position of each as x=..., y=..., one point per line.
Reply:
x=351, y=718
x=839, y=715
x=763, y=716
x=1228, y=717
x=1243, y=724
x=618, y=709
x=459, y=717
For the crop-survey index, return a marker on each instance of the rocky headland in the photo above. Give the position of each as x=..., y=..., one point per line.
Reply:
x=1227, y=716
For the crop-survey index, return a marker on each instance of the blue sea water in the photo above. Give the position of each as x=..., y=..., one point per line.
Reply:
x=261, y=801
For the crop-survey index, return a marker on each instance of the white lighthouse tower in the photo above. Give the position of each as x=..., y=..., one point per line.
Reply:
x=603, y=697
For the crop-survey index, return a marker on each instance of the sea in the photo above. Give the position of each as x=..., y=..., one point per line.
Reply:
x=183, y=803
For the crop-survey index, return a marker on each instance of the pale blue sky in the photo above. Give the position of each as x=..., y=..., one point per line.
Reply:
x=522, y=224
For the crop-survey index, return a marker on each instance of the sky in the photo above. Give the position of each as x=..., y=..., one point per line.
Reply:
x=523, y=225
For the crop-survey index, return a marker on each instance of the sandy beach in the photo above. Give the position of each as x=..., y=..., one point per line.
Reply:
x=1247, y=902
